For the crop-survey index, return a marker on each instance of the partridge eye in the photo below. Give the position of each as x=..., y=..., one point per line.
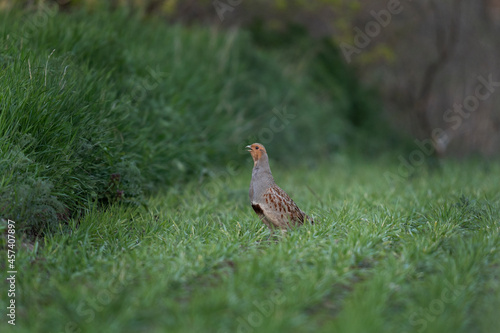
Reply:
x=257, y=148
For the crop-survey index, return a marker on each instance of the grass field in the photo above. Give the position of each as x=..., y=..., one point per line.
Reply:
x=115, y=131
x=418, y=256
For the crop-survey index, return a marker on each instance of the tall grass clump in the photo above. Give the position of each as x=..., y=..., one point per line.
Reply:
x=60, y=145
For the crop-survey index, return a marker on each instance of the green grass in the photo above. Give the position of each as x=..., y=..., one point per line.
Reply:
x=421, y=256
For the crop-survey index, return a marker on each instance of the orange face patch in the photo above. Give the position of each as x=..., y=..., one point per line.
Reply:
x=256, y=150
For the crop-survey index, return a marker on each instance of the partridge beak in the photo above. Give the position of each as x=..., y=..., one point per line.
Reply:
x=249, y=147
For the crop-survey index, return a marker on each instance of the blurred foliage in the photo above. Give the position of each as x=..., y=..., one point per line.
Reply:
x=360, y=106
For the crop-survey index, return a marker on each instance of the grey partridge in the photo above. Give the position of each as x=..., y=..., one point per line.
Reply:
x=274, y=207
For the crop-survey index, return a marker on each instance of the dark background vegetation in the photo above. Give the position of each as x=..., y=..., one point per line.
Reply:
x=106, y=101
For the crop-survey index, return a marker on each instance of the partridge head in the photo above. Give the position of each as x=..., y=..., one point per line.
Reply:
x=273, y=205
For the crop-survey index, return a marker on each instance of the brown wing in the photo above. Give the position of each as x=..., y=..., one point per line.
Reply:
x=284, y=207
